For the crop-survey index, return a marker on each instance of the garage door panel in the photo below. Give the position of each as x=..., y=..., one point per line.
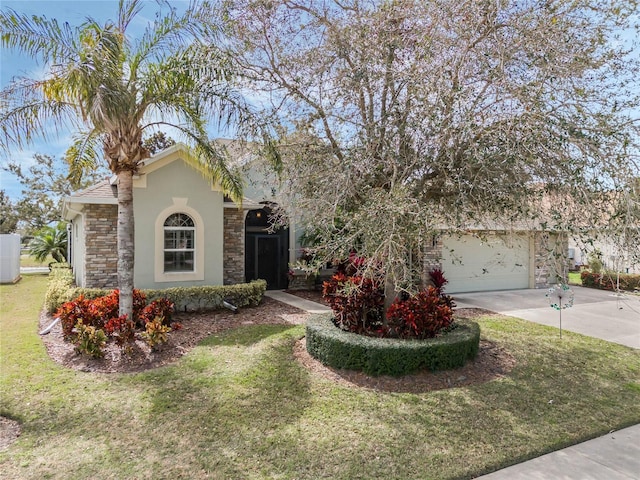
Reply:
x=498, y=262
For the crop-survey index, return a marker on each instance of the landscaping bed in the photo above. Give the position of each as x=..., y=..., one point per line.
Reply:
x=492, y=362
x=195, y=327
x=391, y=356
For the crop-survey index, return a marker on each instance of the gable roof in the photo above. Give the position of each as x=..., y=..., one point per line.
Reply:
x=105, y=192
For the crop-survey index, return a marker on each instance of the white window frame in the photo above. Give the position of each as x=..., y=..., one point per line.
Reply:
x=160, y=276
x=171, y=228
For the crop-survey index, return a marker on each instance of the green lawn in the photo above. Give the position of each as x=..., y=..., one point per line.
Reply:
x=240, y=406
x=574, y=278
x=27, y=260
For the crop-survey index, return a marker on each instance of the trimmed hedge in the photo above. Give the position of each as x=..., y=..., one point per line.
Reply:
x=60, y=282
x=609, y=280
x=390, y=356
x=208, y=297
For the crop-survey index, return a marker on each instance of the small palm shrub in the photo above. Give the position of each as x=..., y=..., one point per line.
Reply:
x=50, y=241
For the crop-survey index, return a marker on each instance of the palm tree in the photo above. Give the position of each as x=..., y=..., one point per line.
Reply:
x=109, y=89
x=50, y=241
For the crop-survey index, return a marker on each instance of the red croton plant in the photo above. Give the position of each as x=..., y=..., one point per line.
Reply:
x=358, y=306
x=102, y=313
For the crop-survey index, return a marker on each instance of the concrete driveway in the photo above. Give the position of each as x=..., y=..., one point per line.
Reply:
x=596, y=313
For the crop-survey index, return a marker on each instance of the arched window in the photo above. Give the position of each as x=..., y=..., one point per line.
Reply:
x=179, y=243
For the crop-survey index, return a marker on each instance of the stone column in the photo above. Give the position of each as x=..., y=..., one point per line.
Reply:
x=101, y=247
x=233, y=248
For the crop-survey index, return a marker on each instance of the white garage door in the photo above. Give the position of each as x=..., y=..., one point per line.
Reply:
x=496, y=262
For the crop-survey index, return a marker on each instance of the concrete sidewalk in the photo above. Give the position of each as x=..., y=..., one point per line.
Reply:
x=614, y=456
x=298, y=302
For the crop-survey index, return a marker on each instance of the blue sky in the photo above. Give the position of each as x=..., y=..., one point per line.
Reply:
x=14, y=64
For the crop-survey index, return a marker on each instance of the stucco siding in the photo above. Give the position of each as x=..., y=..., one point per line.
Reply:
x=177, y=188
x=78, y=249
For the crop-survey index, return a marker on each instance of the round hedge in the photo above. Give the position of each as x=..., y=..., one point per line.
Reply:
x=390, y=356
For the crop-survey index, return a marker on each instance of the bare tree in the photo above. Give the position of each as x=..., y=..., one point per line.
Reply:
x=400, y=118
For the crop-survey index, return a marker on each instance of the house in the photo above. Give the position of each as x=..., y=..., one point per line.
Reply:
x=188, y=233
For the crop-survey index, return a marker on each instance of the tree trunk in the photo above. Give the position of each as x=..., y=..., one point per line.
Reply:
x=389, y=295
x=126, y=245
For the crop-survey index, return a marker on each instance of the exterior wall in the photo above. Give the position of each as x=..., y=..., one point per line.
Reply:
x=175, y=187
x=233, y=250
x=613, y=257
x=550, y=258
x=78, y=249
x=431, y=257
x=100, y=246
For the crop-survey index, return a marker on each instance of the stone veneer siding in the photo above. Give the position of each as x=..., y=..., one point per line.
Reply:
x=101, y=246
x=431, y=257
x=551, y=262
x=233, y=249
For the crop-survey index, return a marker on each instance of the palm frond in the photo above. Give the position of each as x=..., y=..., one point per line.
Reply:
x=37, y=36
x=83, y=155
x=50, y=241
x=127, y=10
x=26, y=113
x=167, y=34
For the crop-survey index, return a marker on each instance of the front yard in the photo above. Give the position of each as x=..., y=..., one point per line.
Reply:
x=240, y=405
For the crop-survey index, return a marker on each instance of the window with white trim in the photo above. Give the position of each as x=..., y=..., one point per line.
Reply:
x=179, y=243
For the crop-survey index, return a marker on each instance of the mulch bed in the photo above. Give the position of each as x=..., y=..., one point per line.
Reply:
x=195, y=327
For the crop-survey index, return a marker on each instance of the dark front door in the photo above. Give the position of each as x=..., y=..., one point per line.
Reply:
x=266, y=252
x=268, y=259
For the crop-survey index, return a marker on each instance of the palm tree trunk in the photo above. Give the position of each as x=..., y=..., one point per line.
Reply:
x=126, y=245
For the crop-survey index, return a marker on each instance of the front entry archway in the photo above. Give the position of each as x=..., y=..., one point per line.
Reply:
x=266, y=250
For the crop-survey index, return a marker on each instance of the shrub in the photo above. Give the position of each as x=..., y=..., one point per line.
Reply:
x=60, y=282
x=211, y=297
x=61, y=290
x=609, y=280
x=439, y=281
x=121, y=330
x=595, y=261
x=421, y=316
x=72, y=312
x=160, y=308
x=155, y=332
x=102, y=313
x=358, y=306
x=89, y=340
x=390, y=356
x=357, y=302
